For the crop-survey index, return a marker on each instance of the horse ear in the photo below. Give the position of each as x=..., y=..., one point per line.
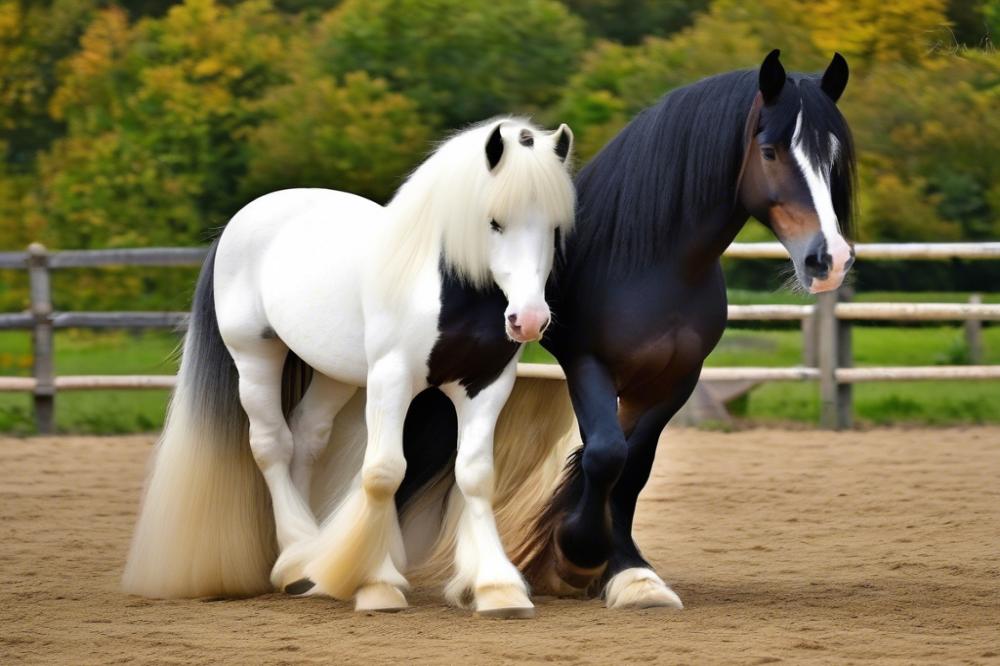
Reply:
x=494, y=148
x=835, y=77
x=771, y=78
x=564, y=141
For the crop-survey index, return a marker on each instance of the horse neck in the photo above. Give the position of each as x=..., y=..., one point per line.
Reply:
x=712, y=233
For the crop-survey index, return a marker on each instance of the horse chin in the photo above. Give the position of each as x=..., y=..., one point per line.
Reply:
x=827, y=284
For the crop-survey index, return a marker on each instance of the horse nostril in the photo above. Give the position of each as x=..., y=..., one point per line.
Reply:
x=512, y=318
x=817, y=264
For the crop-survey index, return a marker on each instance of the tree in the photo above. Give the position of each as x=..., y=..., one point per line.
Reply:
x=33, y=39
x=358, y=137
x=922, y=134
x=870, y=31
x=460, y=60
x=631, y=21
x=156, y=113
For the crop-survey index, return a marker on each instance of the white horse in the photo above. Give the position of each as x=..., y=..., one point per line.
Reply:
x=438, y=288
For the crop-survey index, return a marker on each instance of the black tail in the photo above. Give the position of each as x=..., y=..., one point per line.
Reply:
x=209, y=369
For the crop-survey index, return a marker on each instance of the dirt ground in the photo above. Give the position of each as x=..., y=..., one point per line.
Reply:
x=786, y=546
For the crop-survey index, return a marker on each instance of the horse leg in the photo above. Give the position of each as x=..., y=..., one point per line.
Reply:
x=481, y=565
x=259, y=364
x=632, y=582
x=583, y=535
x=360, y=546
x=311, y=422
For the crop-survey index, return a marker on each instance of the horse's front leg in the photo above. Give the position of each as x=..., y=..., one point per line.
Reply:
x=483, y=573
x=631, y=580
x=360, y=549
x=583, y=535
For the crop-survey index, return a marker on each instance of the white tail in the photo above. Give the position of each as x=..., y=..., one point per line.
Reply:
x=205, y=527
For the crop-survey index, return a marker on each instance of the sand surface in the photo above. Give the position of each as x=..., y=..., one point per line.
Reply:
x=785, y=546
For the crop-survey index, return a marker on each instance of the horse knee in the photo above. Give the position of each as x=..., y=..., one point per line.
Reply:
x=604, y=459
x=381, y=478
x=474, y=476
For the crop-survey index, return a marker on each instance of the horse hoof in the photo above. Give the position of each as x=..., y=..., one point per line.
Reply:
x=507, y=602
x=640, y=587
x=299, y=587
x=379, y=598
x=289, y=570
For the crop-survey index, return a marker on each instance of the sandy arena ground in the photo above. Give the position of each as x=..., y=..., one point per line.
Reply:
x=785, y=546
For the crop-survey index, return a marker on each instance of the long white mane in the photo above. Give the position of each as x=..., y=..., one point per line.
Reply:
x=444, y=208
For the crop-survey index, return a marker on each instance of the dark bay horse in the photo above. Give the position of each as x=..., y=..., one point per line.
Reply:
x=639, y=301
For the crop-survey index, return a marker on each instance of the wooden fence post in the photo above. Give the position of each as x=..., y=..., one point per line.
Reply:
x=845, y=359
x=974, y=334
x=833, y=351
x=41, y=310
x=809, y=358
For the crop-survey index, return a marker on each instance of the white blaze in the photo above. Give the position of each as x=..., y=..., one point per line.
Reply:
x=818, y=181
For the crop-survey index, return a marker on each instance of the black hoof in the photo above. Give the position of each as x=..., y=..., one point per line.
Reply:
x=300, y=586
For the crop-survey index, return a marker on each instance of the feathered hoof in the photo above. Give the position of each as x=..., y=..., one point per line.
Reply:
x=379, y=598
x=506, y=602
x=640, y=587
x=289, y=570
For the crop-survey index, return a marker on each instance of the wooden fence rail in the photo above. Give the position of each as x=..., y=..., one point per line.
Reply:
x=826, y=326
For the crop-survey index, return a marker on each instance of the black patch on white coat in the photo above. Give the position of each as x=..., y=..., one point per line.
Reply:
x=494, y=148
x=562, y=145
x=472, y=346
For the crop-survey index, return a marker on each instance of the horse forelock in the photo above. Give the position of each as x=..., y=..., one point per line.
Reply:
x=444, y=209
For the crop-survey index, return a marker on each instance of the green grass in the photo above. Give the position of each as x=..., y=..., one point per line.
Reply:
x=79, y=352
x=918, y=403
x=924, y=403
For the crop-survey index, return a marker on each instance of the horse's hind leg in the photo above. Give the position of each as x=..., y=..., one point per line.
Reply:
x=311, y=422
x=260, y=363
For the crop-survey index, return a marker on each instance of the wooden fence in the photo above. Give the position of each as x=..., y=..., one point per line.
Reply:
x=826, y=326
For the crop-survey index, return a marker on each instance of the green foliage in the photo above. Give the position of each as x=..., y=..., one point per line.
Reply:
x=461, y=60
x=34, y=37
x=922, y=134
x=630, y=21
x=358, y=137
x=155, y=112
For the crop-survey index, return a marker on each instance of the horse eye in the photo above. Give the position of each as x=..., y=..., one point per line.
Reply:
x=495, y=226
x=768, y=153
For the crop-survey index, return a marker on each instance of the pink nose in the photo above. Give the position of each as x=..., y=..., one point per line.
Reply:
x=528, y=325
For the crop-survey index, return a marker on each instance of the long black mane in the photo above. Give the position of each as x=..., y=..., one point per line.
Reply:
x=678, y=162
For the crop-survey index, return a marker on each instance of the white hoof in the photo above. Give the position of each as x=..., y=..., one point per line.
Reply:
x=379, y=598
x=640, y=588
x=503, y=601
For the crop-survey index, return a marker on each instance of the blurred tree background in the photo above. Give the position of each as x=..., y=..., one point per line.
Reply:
x=151, y=122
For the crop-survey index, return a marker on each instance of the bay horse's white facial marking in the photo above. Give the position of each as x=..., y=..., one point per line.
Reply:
x=818, y=181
